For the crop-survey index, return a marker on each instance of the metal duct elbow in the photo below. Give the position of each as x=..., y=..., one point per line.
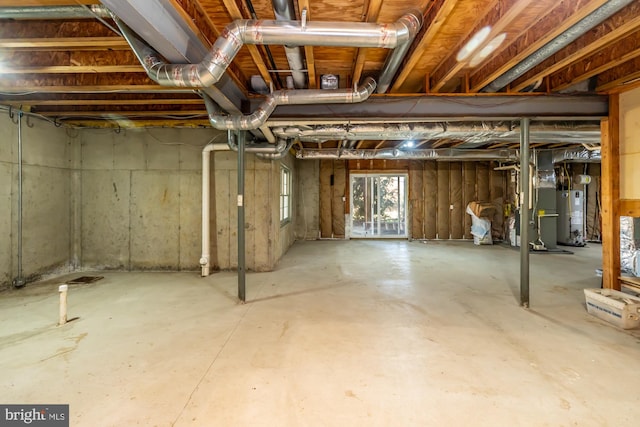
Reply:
x=363, y=92
x=409, y=25
x=241, y=122
x=289, y=33
x=288, y=97
x=281, y=151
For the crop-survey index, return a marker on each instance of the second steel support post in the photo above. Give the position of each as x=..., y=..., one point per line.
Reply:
x=241, y=240
x=524, y=212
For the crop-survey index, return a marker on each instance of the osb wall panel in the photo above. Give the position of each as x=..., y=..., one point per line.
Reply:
x=438, y=195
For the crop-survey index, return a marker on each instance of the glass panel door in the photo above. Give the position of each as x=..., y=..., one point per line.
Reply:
x=378, y=206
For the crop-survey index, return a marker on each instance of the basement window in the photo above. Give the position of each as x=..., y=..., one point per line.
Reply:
x=285, y=195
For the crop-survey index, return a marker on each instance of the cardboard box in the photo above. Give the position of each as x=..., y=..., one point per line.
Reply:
x=617, y=308
x=483, y=209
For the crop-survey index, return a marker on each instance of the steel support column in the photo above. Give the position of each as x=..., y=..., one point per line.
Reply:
x=241, y=239
x=524, y=212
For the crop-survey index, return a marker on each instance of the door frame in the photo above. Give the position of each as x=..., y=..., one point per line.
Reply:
x=405, y=191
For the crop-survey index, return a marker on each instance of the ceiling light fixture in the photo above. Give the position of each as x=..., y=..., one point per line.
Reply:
x=409, y=144
x=473, y=44
x=488, y=49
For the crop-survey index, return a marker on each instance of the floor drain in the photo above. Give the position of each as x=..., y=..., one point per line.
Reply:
x=84, y=280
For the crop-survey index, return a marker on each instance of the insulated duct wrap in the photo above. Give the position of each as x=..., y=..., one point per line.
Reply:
x=473, y=134
x=581, y=155
x=450, y=154
x=629, y=244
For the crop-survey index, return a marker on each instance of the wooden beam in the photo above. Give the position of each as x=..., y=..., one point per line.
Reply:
x=630, y=207
x=612, y=29
x=562, y=16
x=610, y=183
x=359, y=144
x=308, y=50
x=73, y=69
x=234, y=12
x=380, y=144
x=499, y=15
x=617, y=54
x=434, y=19
x=361, y=53
x=64, y=43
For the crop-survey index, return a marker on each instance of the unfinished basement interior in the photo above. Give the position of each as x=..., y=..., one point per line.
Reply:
x=328, y=213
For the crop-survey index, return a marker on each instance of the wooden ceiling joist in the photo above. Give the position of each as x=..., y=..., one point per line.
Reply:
x=73, y=69
x=308, y=50
x=124, y=113
x=6, y=3
x=562, y=16
x=433, y=22
x=499, y=15
x=136, y=123
x=64, y=43
x=115, y=88
x=617, y=54
x=614, y=28
x=622, y=75
x=372, y=16
x=234, y=12
x=92, y=102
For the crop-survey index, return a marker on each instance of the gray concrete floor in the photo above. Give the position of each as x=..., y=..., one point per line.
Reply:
x=344, y=333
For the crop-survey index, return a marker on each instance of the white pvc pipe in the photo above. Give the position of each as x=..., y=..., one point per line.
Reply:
x=205, y=261
x=62, y=318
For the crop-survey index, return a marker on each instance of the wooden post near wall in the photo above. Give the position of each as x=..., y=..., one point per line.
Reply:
x=610, y=152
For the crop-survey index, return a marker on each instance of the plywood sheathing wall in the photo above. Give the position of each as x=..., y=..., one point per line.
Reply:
x=438, y=195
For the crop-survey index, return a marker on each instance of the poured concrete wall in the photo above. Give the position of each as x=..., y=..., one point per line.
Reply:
x=141, y=196
x=131, y=200
x=47, y=186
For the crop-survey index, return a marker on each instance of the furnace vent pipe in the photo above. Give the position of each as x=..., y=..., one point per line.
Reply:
x=288, y=33
x=287, y=97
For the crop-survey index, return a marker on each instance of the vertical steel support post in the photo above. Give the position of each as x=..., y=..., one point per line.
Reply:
x=241, y=239
x=524, y=212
